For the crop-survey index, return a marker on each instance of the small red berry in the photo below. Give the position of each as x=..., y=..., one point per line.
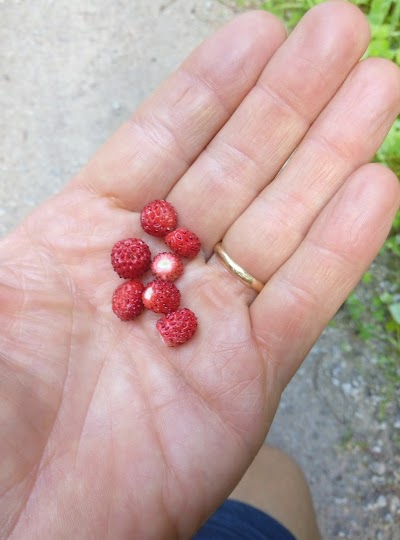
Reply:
x=127, y=301
x=161, y=297
x=178, y=327
x=183, y=242
x=158, y=218
x=130, y=258
x=167, y=266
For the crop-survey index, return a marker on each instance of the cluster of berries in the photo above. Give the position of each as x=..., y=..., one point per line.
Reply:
x=131, y=258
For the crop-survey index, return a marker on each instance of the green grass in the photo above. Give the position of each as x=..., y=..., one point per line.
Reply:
x=374, y=307
x=384, y=17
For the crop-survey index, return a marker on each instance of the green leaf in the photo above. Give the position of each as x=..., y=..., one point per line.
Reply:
x=381, y=48
x=395, y=312
x=393, y=244
x=379, y=315
x=391, y=326
x=379, y=11
x=366, y=331
x=386, y=298
x=367, y=277
x=395, y=18
x=376, y=302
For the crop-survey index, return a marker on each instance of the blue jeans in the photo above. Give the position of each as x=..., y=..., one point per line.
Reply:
x=238, y=521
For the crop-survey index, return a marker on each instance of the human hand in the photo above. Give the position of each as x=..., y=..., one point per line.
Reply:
x=104, y=431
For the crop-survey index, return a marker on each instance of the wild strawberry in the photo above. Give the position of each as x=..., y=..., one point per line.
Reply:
x=130, y=258
x=178, y=327
x=183, y=242
x=161, y=297
x=127, y=301
x=158, y=218
x=167, y=266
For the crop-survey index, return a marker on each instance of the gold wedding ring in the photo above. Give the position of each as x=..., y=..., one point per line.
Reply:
x=237, y=270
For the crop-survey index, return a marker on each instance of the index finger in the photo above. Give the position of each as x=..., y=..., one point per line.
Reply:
x=152, y=150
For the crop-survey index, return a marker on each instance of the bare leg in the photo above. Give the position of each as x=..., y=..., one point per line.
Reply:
x=275, y=484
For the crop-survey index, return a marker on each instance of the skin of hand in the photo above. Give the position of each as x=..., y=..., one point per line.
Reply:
x=104, y=431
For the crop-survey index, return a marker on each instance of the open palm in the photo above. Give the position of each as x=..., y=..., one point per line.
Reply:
x=107, y=433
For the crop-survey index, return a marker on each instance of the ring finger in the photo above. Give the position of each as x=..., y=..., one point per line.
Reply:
x=344, y=137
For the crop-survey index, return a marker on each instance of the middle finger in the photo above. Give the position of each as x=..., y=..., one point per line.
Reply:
x=297, y=83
